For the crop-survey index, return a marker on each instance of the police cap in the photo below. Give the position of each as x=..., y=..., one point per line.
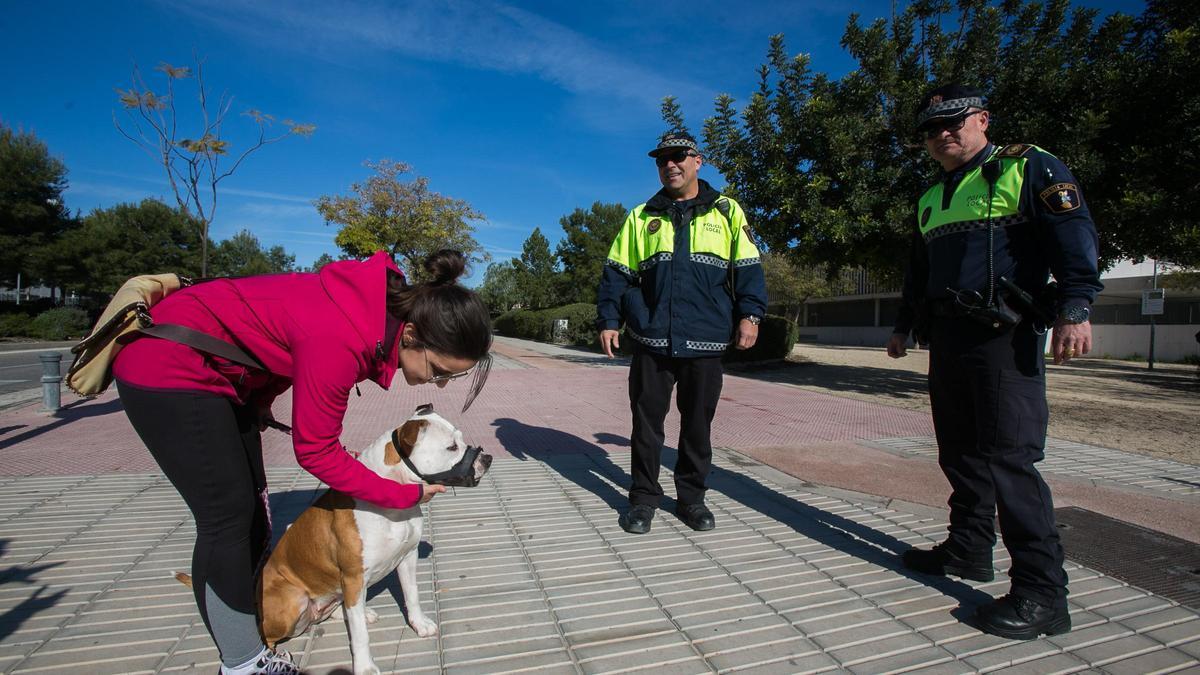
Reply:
x=947, y=102
x=675, y=140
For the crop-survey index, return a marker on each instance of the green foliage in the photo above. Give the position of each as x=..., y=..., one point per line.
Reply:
x=535, y=272
x=406, y=219
x=14, y=325
x=60, y=323
x=832, y=167
x=114, y=244
x=539, y=324
x=776, y=337
x=323, y=260
x=32, y=214
x=242, y=255
x=499, y=288
x=790, y=285
x=583, y=250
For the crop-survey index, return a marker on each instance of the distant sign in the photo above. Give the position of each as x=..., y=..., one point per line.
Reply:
x=1152, y=301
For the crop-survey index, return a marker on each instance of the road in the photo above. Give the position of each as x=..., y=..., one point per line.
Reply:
x=20, y=368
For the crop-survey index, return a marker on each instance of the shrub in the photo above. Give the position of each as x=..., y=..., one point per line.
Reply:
x=776, y=337
x=60, y=323
x=14, y=325
x=539, y=325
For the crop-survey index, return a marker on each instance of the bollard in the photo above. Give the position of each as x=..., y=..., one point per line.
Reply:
x=51, y=378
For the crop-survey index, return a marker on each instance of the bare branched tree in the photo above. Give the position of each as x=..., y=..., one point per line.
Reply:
x=192, y=163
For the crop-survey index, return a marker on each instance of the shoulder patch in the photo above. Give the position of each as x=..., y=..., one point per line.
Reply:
x=1061, y=197
x=1014, y=150
x=654, y=226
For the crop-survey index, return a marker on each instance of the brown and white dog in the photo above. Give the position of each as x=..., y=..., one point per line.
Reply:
x=340, y=546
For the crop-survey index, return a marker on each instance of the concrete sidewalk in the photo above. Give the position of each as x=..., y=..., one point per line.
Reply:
x=529, y=571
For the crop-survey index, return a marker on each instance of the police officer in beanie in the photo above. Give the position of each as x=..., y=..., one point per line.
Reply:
x=988, y=233
x=684, y=275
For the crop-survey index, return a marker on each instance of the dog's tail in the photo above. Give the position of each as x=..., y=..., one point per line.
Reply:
x=184, y=578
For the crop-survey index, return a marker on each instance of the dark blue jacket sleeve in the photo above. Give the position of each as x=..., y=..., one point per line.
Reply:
x=613, y=284
x=751, y=290
x=916, y=277
x=1065, y=229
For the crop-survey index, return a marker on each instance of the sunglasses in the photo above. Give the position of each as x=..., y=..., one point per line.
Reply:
x=447, y=377
x=934, y=130
x=677, y=157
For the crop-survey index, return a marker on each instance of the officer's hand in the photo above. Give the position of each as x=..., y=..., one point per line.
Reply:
x=897, y=345
x=1070, y=340
x=609, y=340
x=747, y=334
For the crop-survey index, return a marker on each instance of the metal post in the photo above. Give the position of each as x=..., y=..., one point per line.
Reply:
x=1153, y=285
x=51, y=378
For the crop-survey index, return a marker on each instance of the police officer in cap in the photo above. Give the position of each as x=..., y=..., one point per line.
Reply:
x=988, y=234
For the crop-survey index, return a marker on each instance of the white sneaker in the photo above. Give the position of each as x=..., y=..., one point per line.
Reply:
x=268, y=662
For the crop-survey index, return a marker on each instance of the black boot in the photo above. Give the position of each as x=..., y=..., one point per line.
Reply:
x=1018, y=618
x=696, y=516
x=942, y=560
x=637, y=519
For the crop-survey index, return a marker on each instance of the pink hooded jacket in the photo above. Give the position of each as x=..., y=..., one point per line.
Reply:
x=319, y=333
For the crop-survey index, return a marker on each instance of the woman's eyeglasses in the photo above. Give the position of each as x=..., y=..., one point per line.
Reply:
x=677, y=157
x=434, y=379
x=936, y=129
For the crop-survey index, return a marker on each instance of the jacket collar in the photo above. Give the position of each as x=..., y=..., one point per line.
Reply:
x=661, y=202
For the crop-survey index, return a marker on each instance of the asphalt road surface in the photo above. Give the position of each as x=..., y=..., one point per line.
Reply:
x=20, y=368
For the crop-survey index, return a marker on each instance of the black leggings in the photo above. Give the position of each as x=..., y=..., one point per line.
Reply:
x=209, y=448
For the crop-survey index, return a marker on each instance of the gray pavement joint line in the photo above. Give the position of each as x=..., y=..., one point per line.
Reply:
x=79, y=480
x=430, y=518
x=624, y=563
x=537, y=577
x=776, y=492
x=80, y=610
x=187, y=630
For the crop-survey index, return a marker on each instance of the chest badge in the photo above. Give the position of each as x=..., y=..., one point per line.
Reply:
x=654, y=226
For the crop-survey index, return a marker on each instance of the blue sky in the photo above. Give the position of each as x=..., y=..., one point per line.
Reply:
x=526, y=110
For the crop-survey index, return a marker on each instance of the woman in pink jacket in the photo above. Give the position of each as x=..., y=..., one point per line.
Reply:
x=320, y=334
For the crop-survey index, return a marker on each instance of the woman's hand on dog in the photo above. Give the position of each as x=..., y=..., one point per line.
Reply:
x=428, y=491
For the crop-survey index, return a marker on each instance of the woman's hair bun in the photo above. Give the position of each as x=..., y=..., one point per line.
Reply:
x=445, y=266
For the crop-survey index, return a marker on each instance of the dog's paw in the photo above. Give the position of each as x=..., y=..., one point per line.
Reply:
x=423, y=625
x=372, y=616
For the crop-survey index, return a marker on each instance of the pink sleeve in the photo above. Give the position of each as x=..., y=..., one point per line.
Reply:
x=321, y=384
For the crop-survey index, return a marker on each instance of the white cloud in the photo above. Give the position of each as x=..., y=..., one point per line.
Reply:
x=476, y=33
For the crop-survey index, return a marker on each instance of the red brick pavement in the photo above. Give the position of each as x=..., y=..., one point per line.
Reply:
x=538, y=410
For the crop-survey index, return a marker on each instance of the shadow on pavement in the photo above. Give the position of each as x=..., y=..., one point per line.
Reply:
x=72, y=412
x=857, y=379
x=584, y=463
x=12, y=618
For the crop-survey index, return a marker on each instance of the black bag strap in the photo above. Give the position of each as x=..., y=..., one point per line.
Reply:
x=203, y=342
x=723, y=208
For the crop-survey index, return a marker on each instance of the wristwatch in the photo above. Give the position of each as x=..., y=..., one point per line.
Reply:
x=1074, y=314
x=752, y=319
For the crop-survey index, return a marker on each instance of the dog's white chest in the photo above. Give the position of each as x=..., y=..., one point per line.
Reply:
x=387, y=536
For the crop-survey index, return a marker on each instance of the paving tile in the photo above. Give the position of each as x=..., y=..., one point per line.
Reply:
x=1013, y=653
x=1057, y=663
x=1109, y=651
x=920, y=659
x=1162, y=660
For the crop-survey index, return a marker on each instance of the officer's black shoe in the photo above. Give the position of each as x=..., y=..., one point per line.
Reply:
x=696, y=516
x=1019, y=618
x=942, y=560
x=637, y=519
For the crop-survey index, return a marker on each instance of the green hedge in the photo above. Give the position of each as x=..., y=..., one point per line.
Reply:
x=539, y=324
x=60, y=323
x=776, y=334
x=15, y=325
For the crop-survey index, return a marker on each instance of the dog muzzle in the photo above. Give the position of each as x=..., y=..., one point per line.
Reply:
x=461, y=474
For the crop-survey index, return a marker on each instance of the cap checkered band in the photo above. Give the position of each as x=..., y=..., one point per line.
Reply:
x=677, y=143
x=953, y=104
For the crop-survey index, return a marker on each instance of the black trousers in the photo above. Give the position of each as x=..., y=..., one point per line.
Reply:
x=988, y=393
x=210, y=449
x=651, y=378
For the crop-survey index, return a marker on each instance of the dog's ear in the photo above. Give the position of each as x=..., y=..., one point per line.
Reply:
x=407, y=438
